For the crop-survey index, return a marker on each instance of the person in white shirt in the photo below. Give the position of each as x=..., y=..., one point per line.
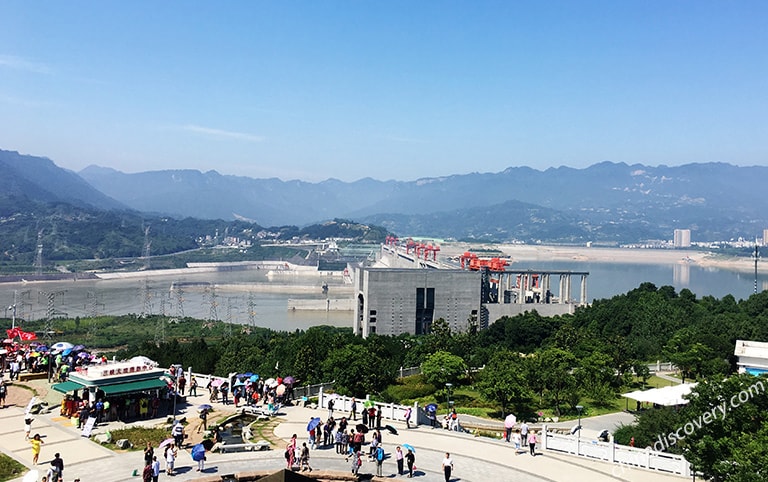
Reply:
x=447, y=466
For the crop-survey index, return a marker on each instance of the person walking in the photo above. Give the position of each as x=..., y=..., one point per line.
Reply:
x=305, y=458
x=330, y=408
x=532, y=442
x=524, y=433
x=36, y=442
x=410, y=459
x=57, y=464
x=353, y=410
x=447, y=466
x=170, y=458
x=178, y=433
x=407, y=417
x=357, y=461
x=379, y=461
x=192, y=386
x=399, y=459
x=155, y=468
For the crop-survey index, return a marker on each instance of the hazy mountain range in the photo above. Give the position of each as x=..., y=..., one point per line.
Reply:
x=606, y=202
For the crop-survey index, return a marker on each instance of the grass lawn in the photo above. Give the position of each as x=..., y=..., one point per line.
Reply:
x=10, y=468
x=138, y=436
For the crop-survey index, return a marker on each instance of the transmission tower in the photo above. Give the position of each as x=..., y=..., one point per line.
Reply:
x=251, y=309
x=39, y=255
x=147, y=245
x=94, y=304
x=210, y=295
x=179, y=291
x=230, y=319
x=146, y=295
x=51, y=312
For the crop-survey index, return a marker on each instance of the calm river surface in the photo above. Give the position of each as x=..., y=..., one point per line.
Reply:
x=240, y=293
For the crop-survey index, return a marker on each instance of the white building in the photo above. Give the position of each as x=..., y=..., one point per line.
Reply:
x=682, y=238
x=752, y=356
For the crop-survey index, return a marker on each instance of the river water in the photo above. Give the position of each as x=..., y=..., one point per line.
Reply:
x=246, y=297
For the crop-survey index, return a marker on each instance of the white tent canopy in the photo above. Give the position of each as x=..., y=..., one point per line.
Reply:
x=667, y=396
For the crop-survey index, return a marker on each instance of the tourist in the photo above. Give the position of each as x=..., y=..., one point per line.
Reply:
x=28, y=426
x=146, y=474
x=353, y=409
x=291, y=450
x=149, y=453
x=155, y=468
x=36, y=442
x=203, y=420
x=524, y=433
x=447, y=466
x=410, y=459
x=532, y=442
x=357, y=461
x=330, y=408
x=192, y=386
x=170, y=458
x=517, y=440
x=305, y=458
x=407, y=417
x=178, y=433
x=57, y=466
x=379, y=461
x=399, y=458
x=3, y=391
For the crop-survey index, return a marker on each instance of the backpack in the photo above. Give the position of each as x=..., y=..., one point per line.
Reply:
x=379, y=454
x=2, y=389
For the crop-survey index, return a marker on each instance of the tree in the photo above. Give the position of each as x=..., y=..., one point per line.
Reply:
x=727, y=439
x=441, y=367
x=503, y=381
x=552, y=369
x=356, y=372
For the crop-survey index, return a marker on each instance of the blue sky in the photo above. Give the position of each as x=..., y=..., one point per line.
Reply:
x=390, y=90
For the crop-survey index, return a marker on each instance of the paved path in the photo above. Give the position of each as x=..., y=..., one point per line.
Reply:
x=476, y=459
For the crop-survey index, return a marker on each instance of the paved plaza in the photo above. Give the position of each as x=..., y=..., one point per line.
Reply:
x=476, y=459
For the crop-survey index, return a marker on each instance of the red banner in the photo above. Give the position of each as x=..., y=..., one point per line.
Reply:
x=13, y=333
x=27, y=335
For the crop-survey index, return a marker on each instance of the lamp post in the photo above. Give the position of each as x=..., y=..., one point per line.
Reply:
x=12, y=308
x=579, y=408
x=448, y=387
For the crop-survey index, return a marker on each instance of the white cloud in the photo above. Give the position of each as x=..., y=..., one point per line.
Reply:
x=222, y=134
x=19, y=63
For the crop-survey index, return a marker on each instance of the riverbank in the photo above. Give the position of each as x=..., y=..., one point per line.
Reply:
x=583, y=254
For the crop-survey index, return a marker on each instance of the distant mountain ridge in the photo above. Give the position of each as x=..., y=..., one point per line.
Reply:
x=38, y=178
x=606, y=202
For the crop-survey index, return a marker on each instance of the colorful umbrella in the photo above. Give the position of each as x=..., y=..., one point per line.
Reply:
x=204, y=406
x=409, y=447
x=254, y=378
x=289, y=380
x=78, y=348
x=239, y=383
x=62, y=345
x=41, y=348
x=280, y=389
x=510, y=421
x=271, y=383
x=166, y=443
x=198, y=452
x=431, y=407
x=314, y=422
x=66, y=351
x=369, y=403
x=216, y=382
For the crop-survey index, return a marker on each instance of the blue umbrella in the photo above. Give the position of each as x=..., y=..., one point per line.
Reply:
x=313, y=423
x=432, y=407
x=67, y=351
x=41, y=348
x=204, y=406
x=409, y=447
x=198, y=452
x=254, y=378
x=78, y=348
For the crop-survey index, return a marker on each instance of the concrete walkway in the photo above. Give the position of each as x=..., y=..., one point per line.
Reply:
x=476, y=459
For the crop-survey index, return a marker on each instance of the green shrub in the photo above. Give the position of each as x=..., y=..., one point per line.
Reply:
x=406, y=390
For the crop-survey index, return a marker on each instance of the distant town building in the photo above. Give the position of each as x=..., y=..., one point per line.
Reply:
x=765, y=237
x=682, y=238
